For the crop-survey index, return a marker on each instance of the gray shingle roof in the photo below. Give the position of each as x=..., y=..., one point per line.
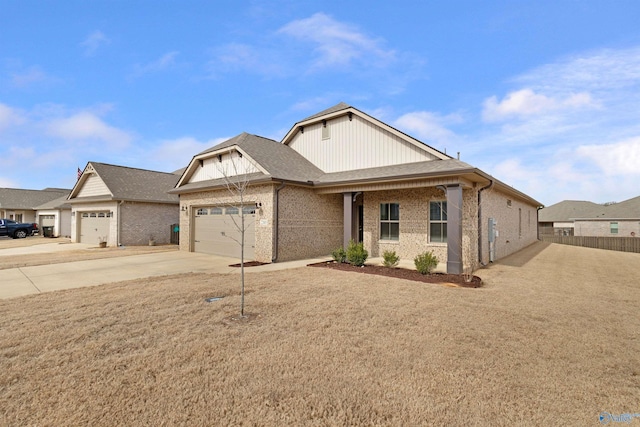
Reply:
x=337, y=107
x=417, y=169
x=59, y=203
x=14, y=198
x=568, y=210
x=627, y=209
x=279, y=160
x=140, y=185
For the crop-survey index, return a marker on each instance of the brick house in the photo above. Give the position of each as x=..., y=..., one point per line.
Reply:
x=123, y=205
x=340, y=175
x=582, y=218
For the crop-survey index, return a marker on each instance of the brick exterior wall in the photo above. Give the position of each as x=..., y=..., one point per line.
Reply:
x=517, y=224
x=310, y=224
x=414, y=224
x=141, y=221
x=603, y=228
x=263, y=194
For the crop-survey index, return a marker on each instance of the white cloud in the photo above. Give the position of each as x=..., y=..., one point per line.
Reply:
x=525, y=102
x=173, y=154
x=7, y=183
x=166, y=61
x=620, y=158
x=337, y=43
x=93, y=42
x=28, y=77
x=315, y=46
x=10, y=117
x=87, y=126
x=430, y=127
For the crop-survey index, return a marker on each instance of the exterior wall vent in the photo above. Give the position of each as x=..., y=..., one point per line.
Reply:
x=326, y=131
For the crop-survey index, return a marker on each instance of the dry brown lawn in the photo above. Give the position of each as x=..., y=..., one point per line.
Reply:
x=553, y=340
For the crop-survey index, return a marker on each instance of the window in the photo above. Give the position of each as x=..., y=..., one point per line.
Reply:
x=438, y=222
x=614, y=227
x=202, y=211
x=232, y=211
x=216, y=211
x=249, y=210
x=389, y=221
x=519, y=222
x=101, y=215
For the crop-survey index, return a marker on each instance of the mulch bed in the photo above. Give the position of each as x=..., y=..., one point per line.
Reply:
x=403, y=273
x=250, y=264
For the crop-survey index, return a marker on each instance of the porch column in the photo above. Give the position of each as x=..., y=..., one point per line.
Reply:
x=347, y=219
x=454, y=229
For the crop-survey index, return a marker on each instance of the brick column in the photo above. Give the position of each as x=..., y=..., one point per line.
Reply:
x=347, y=219
x=454, y=229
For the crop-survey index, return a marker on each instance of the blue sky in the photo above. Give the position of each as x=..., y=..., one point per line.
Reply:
x=544, y=95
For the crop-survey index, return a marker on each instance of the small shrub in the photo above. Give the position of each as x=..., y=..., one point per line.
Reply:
x=390, y=259
x=356, y=254
x=339, y=255
x=425, y=262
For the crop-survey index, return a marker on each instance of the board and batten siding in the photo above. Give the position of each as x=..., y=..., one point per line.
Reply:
x=355, y=144
x=231, y=165
x=93, y=186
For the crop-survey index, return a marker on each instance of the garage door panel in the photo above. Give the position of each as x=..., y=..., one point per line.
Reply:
x=94, y=226
x=218, y=234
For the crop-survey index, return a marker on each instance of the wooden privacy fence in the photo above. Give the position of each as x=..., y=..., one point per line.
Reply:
x=622, y=244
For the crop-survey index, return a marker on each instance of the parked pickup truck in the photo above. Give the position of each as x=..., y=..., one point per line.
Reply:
x=16, y=230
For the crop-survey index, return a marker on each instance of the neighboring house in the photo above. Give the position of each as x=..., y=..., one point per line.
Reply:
x=580, y=218
x=558, y=219
x=57, y=214
x=21, y=205
x=341, y=175
x=122, y=205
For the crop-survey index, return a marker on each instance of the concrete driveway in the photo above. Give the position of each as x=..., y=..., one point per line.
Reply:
x=17, y=282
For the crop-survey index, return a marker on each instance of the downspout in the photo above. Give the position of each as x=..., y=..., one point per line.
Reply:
x=538, y=221
x=274, y=258
x=480, y=221
x=118, y=243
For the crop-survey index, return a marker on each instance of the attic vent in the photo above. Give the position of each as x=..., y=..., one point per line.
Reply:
x=326, y=131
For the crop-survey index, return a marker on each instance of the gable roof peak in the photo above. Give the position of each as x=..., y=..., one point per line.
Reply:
x=338, y=107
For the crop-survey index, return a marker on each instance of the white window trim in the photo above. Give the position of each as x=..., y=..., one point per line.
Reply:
x=380, y=221
x=437, y=222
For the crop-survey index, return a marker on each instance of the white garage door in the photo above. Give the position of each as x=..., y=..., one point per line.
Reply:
x=47, y=220
x=94, y=226
x=216, y=233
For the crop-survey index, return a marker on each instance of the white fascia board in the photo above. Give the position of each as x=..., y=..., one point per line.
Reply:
x=88, y=170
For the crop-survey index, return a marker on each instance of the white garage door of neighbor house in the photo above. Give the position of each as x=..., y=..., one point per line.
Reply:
x=47, y=220
x=94, y=226
x=216, y=233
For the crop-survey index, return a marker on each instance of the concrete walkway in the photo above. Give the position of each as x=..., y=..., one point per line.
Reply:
x=17, y=282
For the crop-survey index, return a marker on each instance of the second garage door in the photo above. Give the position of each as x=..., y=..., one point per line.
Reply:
x=94, y=226
x=216, y=232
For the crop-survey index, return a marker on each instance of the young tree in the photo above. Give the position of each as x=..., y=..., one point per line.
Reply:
x=235, y=173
